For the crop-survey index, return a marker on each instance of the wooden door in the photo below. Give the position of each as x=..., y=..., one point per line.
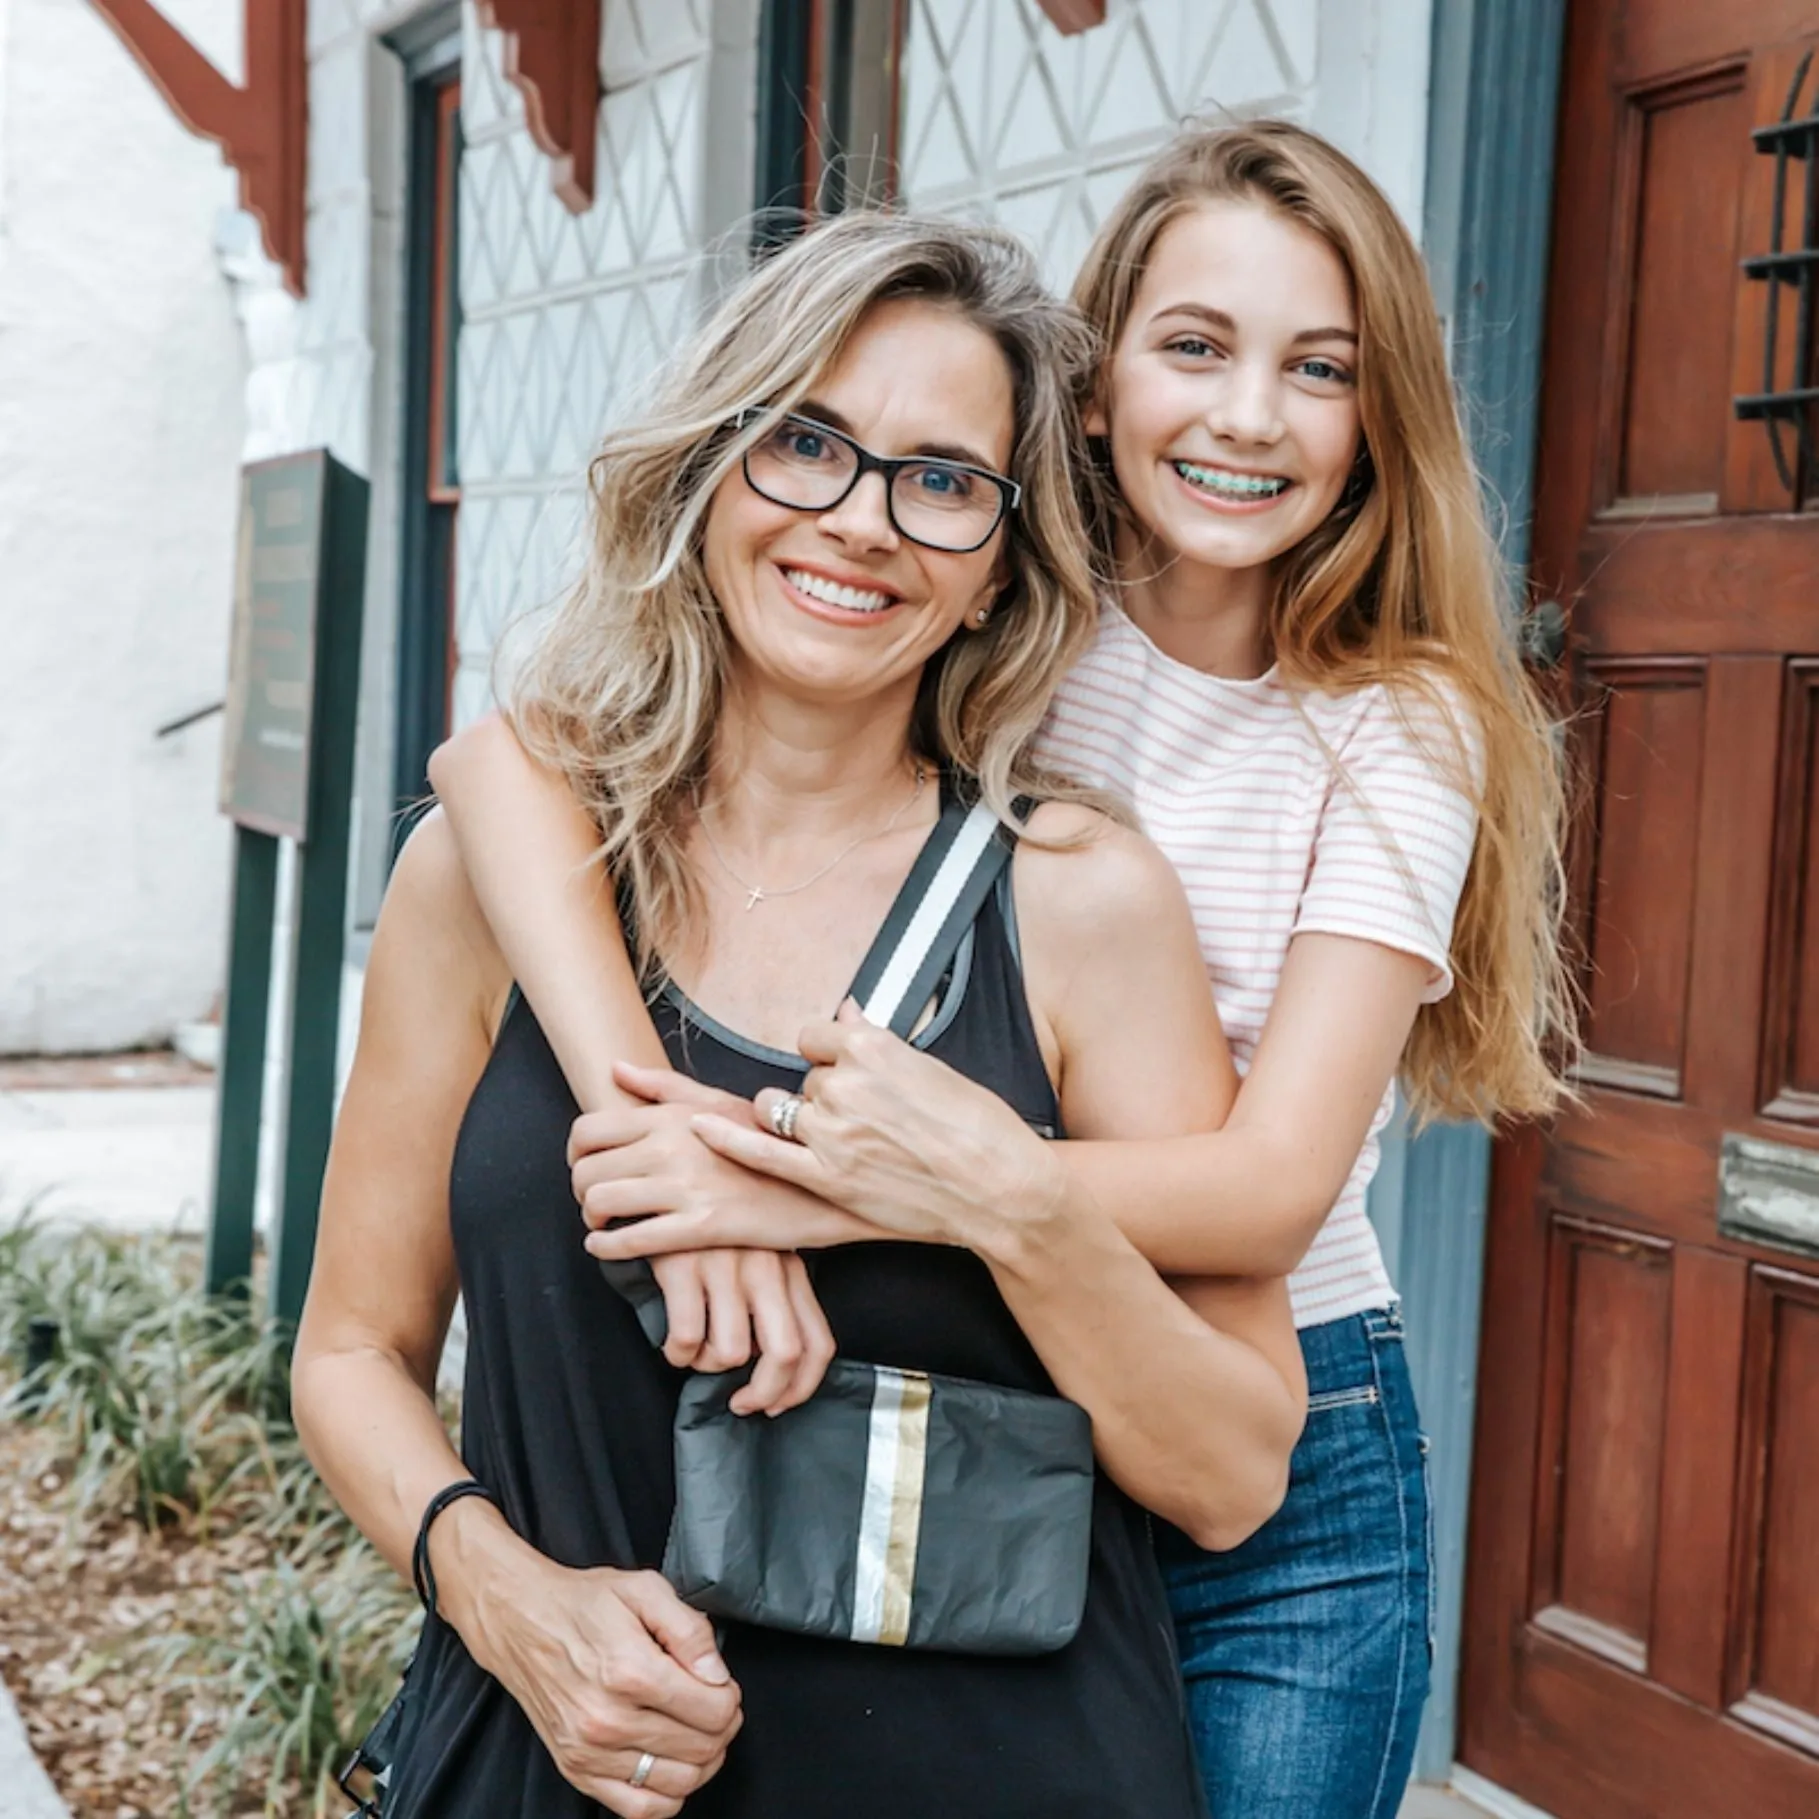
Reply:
x=1643, y=1599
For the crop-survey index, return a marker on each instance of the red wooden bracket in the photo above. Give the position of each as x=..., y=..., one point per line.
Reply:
x=263, y=126
x=1071, y=16
x=552, y=54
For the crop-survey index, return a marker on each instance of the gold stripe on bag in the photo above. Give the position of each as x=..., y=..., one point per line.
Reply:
x=906, y=1509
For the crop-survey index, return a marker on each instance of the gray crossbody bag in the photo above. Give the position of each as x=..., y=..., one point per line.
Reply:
x=895, y=1507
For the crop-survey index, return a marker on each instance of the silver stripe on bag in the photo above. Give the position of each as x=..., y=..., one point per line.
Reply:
x=937, y=904
x=890, y=1512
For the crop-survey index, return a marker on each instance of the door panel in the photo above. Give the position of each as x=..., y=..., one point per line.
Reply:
x=1609, y=1297
x=1777, y=1678
x=1651, y=732
x=1679, y=289
x=1791, y=1074
x=1687, y=1646
x=1643, y=1598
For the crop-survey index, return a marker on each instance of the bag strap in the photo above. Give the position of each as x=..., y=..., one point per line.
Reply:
x=947, y=886
x=955, y=872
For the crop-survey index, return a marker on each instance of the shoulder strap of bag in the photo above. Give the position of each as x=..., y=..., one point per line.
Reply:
x=950, y=881
x=952, y=877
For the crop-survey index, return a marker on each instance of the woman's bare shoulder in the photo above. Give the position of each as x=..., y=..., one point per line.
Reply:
x=1085, y=877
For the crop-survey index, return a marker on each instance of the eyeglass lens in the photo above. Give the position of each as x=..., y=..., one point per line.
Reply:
x=934, y=502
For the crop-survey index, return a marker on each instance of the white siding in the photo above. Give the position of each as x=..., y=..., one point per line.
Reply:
x=120, y=412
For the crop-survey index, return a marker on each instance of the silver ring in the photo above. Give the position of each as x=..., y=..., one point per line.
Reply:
x=642, y=1773
x=784, y=1115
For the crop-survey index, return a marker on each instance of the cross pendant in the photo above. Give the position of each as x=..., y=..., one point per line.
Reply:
x=754, y=896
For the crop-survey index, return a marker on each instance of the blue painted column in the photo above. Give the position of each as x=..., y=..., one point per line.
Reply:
x=1428, y=1203
x=1491, y=125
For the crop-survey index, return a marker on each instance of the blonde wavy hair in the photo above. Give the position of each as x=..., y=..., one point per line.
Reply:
x=1403, y=586
x=623, y=691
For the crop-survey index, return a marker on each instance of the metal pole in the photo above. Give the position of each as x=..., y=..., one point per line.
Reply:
x=321, y=890
x=240, y=1093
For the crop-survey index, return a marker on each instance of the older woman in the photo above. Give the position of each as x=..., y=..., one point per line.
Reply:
x=836, y=572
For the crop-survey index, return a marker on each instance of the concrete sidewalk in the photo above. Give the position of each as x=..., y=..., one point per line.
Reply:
x=128, y=1158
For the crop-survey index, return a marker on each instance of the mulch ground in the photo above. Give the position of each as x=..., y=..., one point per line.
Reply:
x=73, y=1612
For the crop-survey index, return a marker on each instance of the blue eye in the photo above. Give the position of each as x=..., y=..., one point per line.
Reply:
x=947, y=484
x=1326, y=372
x=1192, y=346
x=802, y=445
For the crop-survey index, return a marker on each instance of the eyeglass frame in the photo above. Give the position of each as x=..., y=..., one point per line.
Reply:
x=1010, y=492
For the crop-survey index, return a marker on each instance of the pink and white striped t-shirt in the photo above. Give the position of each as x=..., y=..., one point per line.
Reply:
x=1284, y=813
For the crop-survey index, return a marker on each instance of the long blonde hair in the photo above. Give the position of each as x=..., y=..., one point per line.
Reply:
x=623, y=691
x=1403, y=586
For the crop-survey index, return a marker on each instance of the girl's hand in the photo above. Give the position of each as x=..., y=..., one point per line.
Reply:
x=903, y=1142
x=726, y=1296
x=607, y=1665
x=726, y=1305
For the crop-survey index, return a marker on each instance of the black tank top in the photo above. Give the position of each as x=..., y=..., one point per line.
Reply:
x=567, y=1418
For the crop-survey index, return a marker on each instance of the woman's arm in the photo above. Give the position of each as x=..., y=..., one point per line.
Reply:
x=528, y=850
x=380, y=1295
x=1392, y=849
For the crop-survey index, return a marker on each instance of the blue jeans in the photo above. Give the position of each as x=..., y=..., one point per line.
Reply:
x=1307, y=1650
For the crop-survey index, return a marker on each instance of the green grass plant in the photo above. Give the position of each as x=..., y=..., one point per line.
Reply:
x=170, y=1408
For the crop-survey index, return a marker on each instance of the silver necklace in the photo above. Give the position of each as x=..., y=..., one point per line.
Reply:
x=756, y=893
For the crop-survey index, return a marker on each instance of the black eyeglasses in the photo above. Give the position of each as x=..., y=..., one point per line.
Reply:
x=944, y=505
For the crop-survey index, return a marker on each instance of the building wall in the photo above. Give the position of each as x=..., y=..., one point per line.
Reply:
x=121, y=377
x=564, y=315
x=1005, y=117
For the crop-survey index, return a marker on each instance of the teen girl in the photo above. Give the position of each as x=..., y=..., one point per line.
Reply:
x=1305, y=681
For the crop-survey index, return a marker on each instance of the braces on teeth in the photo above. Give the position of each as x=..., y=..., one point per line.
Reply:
x=1245, y=486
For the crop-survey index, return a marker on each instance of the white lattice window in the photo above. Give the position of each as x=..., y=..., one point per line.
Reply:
x=1003, y=116
x=563, y=312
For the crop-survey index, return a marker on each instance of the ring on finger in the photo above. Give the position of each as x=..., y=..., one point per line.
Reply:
x=642, y=1773
x=784, y=1114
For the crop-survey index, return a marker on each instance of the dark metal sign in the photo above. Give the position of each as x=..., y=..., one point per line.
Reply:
x=265, y=755
x=287, y=770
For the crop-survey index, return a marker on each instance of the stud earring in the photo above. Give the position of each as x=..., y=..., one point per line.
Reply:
x=983, y=614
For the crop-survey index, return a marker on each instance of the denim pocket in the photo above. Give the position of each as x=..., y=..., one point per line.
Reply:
x=1365, y=1395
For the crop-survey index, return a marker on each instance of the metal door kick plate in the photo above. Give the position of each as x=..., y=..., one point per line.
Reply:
x=1768, y=1193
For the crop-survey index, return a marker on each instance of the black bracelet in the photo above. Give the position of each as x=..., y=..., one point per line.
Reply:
x=422, y=1577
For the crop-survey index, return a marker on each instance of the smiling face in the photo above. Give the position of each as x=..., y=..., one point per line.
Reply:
x=1231, y=398
x=836, y=607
